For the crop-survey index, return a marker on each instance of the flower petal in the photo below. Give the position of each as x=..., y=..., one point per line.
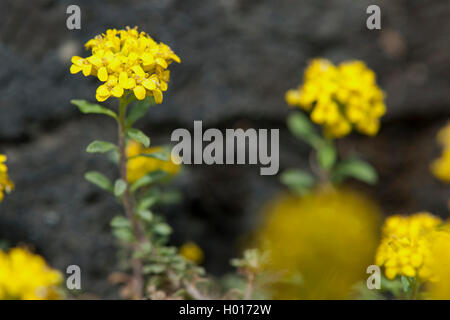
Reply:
x=139, y=92
x=117, y=91
x=102, y=74
x=157, y=94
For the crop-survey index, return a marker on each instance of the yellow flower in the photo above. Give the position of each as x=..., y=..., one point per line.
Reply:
x=127, y=61
x=192, y=252
x=340, y=97
x=6, y=185
x=139, y=166
x=440, y=264
x=26, y=276
x=319, y=245
x=443, y=136
x=440, y=167
x=405, y=246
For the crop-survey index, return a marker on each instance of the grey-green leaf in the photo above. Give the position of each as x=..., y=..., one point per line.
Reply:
x=89, y=107
x=163, y=229
x=123, y=234
x=357, y=169
x=145, y=215
x=326, y=155
x=301, y=127
x=160, y=155
x=153, y=268
x=120, y=222
x=297, y=180
x=148, y=179
x=139, y=136
x=100, y=147
x=119, y=187
x=138, y=110
x=99, y=180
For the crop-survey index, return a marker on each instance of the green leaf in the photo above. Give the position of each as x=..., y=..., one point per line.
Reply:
x=147, y=202
x=139, y=136
x=162, y=229
x=119, y=187
x=355, y=168
x=297, y=180
x=100, y=147
x=89, y=107
x=406, y=284
x=99, y=180
x=160, y=155
x=138, y=110
x=114, y=156
x=123, y=234
x=153, y=268
x=145, y=215
x=149, y=179
x=301, y=127
x=326, y=155
x=143, y=250
x=394, y=286
x=120, y=222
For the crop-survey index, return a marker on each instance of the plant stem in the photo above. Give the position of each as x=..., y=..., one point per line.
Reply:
x=249, y=289
x=127, y=200
x=414, y=287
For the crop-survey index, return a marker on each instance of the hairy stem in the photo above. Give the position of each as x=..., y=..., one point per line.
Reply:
x=249, y=288
x=128, y=202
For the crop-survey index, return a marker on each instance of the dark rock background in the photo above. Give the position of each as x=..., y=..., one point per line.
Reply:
x=238, y=59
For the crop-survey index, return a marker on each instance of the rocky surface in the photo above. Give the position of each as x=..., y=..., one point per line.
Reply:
x=238, y=59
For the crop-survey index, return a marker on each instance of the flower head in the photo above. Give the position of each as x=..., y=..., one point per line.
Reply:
x=139, y=166
x=405, y=248
x=192, y=252
x=6, y=185
x=340, y=97
x=440, y=167
x=440, y=264
x=127, y=60
x=26, y=276
x=319, y=245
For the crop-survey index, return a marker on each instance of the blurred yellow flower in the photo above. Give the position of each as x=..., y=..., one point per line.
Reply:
x=340, y=97
x=192, y=252
x=26, y=276
x=440, y=264
x=6, y=185
x=440, y=167
x=405, y=248
x=139, y=166
x=443, y=136
x=127, y=60
x=319, y=245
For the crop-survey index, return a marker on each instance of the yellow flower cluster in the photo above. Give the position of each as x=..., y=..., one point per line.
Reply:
x=127, y=60
x=139, y=166
x=441, y=166
x=26, y=276
x=340, y=97
x=405, y=248
x=319, y=245
x=440, y=264
x=192, y=252
x=6, y=185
